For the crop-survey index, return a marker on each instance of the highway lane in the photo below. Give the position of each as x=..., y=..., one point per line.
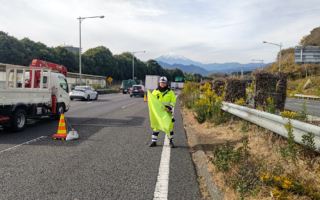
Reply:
x=110, y=160
x=312, y=107
x=80, y=111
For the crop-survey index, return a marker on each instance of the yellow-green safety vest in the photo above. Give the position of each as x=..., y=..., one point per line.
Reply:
x=167, y=98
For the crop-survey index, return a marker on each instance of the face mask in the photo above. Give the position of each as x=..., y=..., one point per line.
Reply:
x=162, y=89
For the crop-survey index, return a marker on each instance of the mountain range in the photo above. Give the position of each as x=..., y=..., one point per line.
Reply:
x=172, y=60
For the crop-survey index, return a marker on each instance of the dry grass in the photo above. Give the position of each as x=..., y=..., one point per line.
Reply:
x=263, y=144
x=296, y=86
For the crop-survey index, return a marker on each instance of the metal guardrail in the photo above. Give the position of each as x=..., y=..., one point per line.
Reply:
x=307, y=96
x=273, y=122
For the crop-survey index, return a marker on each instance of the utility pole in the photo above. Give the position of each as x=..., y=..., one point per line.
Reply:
x=133, y=62
x=241, y=72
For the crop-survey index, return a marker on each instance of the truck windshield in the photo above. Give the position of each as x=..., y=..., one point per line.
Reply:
x=63, y=84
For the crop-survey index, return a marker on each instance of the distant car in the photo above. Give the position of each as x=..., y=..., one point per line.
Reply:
x=138, y=90
x=84, y=93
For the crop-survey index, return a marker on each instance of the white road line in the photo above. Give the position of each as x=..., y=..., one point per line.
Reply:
x=29, y=142
x=162, y=185
x=89, y=102
x=130, y=104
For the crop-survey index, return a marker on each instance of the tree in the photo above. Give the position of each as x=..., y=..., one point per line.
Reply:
x=11, y=50
x=197, y=76
x=99, y=61
x=67, y=58
x=32, y=50
x=124, y=65
x=48, y=54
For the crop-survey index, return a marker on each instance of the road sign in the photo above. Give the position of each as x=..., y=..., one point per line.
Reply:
x=110, y=79
x=307, y=54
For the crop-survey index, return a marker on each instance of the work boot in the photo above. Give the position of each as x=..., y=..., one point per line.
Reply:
x=171, y=143
x=153, y=144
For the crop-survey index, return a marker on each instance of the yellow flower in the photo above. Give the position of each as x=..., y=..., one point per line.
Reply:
x=287, y=184
x=240, y=101
x=288, y=114
x=269, y=100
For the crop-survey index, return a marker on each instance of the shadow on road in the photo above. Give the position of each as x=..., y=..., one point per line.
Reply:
x=85, y=130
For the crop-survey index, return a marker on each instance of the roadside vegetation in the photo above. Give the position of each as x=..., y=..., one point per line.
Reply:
x=115, y=89
x=302, y=79
x=248, y=161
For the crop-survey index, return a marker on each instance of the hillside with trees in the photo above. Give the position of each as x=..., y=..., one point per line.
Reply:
x=298, y=75
x=95, y=61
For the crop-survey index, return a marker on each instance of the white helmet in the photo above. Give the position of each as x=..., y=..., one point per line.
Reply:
x=163, y=79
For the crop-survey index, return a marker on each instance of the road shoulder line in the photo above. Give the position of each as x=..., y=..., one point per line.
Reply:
x=162, y=185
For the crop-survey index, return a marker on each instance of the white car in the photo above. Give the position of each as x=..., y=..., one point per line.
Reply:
x=83, y=92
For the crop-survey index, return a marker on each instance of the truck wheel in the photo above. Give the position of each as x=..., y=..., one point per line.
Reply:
x=19, y=120
x=60, y=110
x=88, y=98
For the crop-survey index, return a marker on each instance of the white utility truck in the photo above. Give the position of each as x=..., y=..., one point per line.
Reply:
x=152, y=82
x=30, y=92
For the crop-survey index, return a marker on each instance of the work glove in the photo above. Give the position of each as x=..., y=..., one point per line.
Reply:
x=170, y=109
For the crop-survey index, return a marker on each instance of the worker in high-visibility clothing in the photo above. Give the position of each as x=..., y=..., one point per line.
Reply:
x=165, y=95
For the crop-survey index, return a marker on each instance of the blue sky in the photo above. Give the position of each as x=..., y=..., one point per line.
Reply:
x=201, y=30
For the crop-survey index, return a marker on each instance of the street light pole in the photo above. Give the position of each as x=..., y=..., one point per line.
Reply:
x=80, y=49
x=133, y=62
x=279, y=45
x=80, y=20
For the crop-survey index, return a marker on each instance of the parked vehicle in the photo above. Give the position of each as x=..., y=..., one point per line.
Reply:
x=84, y=93
x=152, y=82
x=138, y=90
x=126, y=85
x=30, y=92
x=173, y=85
x=180, y=85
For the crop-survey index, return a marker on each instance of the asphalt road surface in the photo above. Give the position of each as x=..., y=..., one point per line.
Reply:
x=110, y=160
x=313, y=107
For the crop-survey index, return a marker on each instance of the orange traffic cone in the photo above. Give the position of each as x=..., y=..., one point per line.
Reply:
x=145, y=98
x=62, y=131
